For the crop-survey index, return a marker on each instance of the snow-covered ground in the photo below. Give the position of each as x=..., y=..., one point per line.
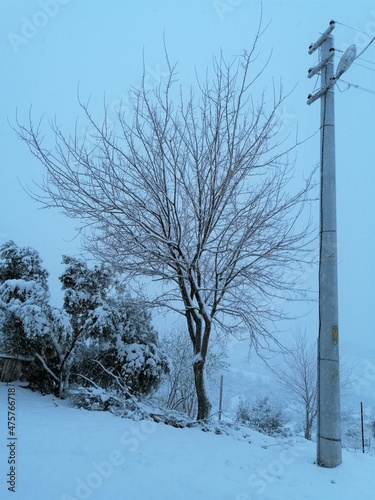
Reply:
x=64, y=453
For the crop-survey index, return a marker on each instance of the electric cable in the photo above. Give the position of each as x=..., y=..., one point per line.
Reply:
x=360, y=31
x=358, y=64
x=367, y=46
x=370, y=91
x=351, y=27
x=360, y=58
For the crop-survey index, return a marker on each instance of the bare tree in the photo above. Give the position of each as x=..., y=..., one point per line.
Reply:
x=181, y=392
x=299, y=377
x=179, y=381
x=191, y=193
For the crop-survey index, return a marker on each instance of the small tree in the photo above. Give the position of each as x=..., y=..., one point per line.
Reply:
x=24, y=299
x=64, y=328
x=179, y=382
x=299, y=378
x=29, y=324
x=181, y=394
x=55, y=353
x=193, y=193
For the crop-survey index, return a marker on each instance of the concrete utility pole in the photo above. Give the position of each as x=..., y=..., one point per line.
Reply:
x=328, y=389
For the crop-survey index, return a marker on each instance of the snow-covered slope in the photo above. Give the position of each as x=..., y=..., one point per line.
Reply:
x=64, y=454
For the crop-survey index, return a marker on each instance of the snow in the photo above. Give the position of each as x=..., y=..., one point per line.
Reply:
x=64, y=454
x=197, y=358
x=21, y=285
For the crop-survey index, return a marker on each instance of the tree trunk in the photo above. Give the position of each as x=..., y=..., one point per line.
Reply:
x=308, y=425
x=204, y=405
x=64, y=378
x=308, y=432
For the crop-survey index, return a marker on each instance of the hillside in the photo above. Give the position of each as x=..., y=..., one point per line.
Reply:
x=64, y=454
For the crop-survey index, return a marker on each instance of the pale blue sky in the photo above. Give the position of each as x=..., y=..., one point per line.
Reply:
x=47, y=48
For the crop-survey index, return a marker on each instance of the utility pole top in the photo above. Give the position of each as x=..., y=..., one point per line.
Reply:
x=318, y=43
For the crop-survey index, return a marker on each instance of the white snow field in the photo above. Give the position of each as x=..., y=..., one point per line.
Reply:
x=63, y=453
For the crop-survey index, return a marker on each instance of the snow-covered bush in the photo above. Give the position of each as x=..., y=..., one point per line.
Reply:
x=352, y=430
x=262, y=416
x=134, y=352
x=115, y=336
x=115, y=400
x=95, y=399
x=142, y=367
x=129, y=355
x=352, y=437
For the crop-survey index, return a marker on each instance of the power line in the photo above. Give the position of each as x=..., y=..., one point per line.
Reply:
x=351, y=27
x=367, y=46
x=360, y=58
x=366, y=60
x=358, y=64
x=357, y=87
x=359, y=31
x=363, y=66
